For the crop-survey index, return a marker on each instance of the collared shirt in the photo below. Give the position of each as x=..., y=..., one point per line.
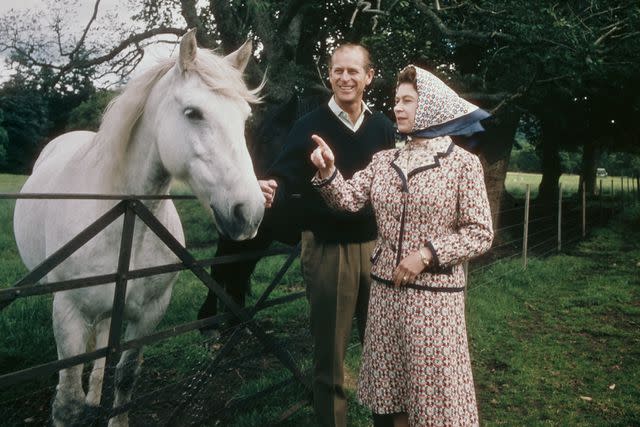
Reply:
x=344, y=116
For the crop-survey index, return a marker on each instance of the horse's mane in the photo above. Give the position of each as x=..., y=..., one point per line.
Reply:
x=123, y=112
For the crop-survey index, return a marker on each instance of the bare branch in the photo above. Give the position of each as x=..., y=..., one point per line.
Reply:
x=556, y=78
x=506, y=101
x=80, y=43
x=605, y=35
x=133, y=39
x=611, y=10
x=483, y=96
x=462, y=34
x=190, y=14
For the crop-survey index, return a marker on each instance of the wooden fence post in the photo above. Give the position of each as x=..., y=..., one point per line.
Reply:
x=525, y=235
x=559, y=217
x=612, y=198
x=584, y=210
x=600, y=200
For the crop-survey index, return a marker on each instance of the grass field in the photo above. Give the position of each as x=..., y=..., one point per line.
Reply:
x=516, y=183
x=556, y=345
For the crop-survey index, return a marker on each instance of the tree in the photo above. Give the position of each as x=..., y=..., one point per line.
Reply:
x=25, y=122
x=4, y=143
x=511, y=57
x=524, y=159
x=88, y=114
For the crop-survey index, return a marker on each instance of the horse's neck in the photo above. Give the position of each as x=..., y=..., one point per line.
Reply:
x=145, y=173
x=140, y=170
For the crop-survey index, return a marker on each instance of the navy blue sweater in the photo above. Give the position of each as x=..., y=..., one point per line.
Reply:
x=293, y=171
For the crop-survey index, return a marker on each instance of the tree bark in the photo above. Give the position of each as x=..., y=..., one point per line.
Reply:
x=497, y=143
x=588, y=170
x=551, y=170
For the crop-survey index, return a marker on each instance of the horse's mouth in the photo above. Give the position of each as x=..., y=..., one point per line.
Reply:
x=219, y=223
x=239, y=226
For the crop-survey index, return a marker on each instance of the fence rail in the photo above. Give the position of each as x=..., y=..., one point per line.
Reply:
x=131, y=207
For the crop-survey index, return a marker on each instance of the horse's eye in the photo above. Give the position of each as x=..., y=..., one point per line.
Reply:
x=193, y=113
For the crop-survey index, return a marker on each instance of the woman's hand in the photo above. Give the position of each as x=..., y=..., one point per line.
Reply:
x=409, y=268
x=322, y=158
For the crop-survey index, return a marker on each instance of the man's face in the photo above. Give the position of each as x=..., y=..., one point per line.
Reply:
x=348, y=77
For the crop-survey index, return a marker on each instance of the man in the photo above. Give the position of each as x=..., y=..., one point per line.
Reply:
x=336, y=246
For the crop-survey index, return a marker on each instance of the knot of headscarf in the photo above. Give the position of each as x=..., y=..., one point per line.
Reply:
x=441, y=112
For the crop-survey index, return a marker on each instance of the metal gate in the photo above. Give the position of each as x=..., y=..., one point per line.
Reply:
x=131, y=207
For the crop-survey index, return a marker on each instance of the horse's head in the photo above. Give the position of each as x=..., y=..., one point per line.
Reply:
x=200, y=107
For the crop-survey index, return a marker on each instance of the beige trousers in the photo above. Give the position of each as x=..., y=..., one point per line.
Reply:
x=337, y=280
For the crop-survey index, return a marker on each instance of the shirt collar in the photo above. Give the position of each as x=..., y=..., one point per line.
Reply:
x=344, y=116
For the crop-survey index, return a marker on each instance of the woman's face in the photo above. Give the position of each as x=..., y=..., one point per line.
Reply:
x=405, y=108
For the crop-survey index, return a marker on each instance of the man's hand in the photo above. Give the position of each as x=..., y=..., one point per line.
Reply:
x=268, y=187
x=322, y=158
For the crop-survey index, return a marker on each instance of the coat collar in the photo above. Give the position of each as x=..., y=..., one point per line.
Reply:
x=434, y=150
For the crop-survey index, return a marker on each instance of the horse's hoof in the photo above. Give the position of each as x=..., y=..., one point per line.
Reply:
x=75, y=414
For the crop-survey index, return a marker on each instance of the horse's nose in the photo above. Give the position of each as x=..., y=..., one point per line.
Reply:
x=240, y=212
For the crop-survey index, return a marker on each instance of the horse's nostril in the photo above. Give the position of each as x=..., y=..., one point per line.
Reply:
x=238, y=211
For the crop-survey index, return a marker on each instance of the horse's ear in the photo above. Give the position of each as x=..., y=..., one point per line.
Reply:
x=240, y=58
x=188, y=49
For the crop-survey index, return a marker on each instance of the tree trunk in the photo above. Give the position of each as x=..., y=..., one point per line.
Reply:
x=495, y=151
x=551, y=170
x=588, y=170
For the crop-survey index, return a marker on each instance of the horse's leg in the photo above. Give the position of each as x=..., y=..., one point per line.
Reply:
x=97, y=373
x=127, y=372
x=71, y=331
x=128, y=367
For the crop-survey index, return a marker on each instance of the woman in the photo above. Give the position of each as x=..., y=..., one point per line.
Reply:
x=432, y=213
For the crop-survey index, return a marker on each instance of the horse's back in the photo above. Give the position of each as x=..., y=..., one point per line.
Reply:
x=30, y=214
x=61, y=149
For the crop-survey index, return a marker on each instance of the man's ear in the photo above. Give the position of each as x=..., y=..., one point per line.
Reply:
x=369, y=76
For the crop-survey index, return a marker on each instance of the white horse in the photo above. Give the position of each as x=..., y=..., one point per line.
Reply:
x=184, y=119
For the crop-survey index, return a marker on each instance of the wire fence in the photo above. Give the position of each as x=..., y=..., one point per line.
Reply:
x=219, y=376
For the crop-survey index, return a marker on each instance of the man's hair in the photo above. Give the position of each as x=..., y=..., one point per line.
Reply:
x=365, y=54
x=408, y=75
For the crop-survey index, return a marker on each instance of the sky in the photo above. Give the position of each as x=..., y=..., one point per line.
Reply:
x=80, y=17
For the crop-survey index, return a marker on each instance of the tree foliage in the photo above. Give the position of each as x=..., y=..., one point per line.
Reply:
x=4, y=142
x=572, y=64
x=25, y=122
x=88, y=114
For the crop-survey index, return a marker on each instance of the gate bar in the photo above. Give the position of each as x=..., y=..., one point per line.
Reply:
x=117, y=312
x=68, y=249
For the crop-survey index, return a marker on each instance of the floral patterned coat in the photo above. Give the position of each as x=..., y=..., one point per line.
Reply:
x=441, y=203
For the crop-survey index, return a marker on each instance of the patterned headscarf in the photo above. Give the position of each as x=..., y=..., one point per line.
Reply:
x=441, y=111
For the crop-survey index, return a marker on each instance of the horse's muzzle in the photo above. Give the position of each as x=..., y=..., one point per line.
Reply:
x=242, y=222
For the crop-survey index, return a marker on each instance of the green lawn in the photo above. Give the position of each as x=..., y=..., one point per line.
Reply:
x=555, y=345
x=516, y=183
